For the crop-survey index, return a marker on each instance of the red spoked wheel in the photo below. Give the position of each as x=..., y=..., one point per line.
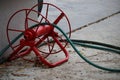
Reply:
x=16, y=28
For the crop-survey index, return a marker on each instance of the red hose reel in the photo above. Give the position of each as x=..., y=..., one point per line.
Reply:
x=21, y=22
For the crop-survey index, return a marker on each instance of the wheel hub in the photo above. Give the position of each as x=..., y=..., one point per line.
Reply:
x=29, y=35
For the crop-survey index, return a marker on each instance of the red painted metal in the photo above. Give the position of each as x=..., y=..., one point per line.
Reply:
x=33, y=37
x=60, y=16
x=29, y=40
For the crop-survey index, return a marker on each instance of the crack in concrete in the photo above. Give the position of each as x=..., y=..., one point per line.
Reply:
x=97, y=21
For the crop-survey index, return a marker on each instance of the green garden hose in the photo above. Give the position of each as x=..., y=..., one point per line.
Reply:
x=72, y=44
x=84, y=43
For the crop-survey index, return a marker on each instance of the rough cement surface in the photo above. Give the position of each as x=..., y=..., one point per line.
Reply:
x=75, y=69
x=106, y=31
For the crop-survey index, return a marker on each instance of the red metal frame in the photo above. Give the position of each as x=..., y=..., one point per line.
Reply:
x=30, y=41
x=42, y=32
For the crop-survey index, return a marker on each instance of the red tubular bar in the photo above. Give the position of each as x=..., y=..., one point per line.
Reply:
x=42, y=30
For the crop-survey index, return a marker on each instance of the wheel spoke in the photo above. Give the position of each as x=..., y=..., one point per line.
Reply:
x=47, y=11
x=41, y=19
x=26, y=21
x=15, y=30
x=33, y=20
x=51, y=47
x=39, y=22
x=48, y=44
x=62, y=40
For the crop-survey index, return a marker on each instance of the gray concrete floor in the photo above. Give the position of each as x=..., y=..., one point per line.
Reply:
x=107, y=31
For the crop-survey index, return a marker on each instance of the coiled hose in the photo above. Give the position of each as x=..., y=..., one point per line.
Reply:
x=84, y=43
